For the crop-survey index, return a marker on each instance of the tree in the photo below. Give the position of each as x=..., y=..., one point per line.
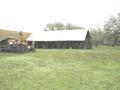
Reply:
x=49, y=26
x=112, y=30
x=69, y=26
x=72, y=27
x=97, y=36
x=59, y=26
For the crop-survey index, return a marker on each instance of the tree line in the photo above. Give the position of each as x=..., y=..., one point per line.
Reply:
x=109, y=34
x=61, y=26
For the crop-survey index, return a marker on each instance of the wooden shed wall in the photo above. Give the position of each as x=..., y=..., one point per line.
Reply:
x=64, y=44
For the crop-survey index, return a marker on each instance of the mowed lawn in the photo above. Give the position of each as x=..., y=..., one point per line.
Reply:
x=61, y=69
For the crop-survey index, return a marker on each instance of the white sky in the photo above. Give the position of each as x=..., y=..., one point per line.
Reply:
x=32, y=15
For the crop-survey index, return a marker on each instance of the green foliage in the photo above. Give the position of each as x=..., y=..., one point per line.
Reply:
x=50, y=26
x=112, y=30
x=97, y=36
x=61, y=69
x=109, y=35
x=61, y=26
x=72, y=27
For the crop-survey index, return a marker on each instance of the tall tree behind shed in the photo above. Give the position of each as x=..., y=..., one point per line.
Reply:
x=61, y=26
x=50, y=27
x=69, y=26
x=112, y=30
x=97, y=35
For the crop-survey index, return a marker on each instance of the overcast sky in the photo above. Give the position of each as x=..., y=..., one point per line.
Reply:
x=32, y=15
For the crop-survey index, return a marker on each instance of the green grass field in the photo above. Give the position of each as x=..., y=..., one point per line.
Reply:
x=61, y=69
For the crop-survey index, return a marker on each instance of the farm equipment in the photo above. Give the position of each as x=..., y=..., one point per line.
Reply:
x=11, y=45
x=16, y=48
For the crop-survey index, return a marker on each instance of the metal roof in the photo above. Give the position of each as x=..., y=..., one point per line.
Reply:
x=61, y=35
